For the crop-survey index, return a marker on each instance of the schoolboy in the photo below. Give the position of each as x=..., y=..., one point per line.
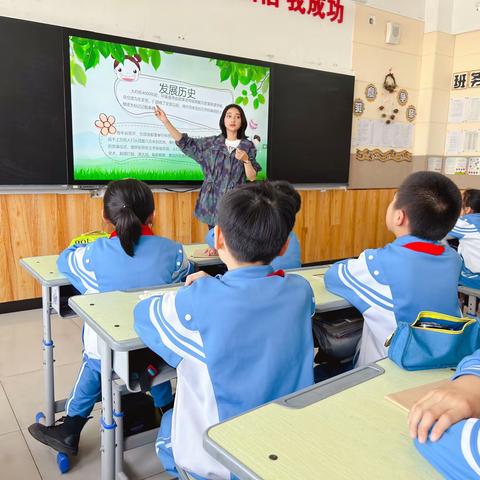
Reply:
x=413, y=273
x=467, y=230
x=237, y=341
x=452, y=445
x=292, y=257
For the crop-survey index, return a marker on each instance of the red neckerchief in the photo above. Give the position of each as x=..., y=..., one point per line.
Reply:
x=424, y=247
x=145, y=231
x=277, y=273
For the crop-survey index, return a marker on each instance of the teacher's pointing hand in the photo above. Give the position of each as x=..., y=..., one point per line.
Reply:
x=160, y=114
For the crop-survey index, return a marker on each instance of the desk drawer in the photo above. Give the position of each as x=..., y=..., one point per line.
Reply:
x=129, y=366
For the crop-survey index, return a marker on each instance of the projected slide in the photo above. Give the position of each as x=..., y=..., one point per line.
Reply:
x=114, y=88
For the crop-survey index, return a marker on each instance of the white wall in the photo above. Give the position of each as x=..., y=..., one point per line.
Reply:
x=465, y=16
x=439, y=15
x=236, y=27
x=452, y=16
x=407, y=8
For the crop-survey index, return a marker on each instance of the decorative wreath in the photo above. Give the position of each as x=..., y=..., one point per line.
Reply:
x=390, y=84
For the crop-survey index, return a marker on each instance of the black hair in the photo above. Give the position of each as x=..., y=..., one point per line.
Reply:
x=287, y=189
x=432, y=203
x=128, y=204
x=243, y=126
x=256, y=219
x=471, y=198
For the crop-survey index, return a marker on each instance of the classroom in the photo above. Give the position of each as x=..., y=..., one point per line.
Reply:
x=240, y=240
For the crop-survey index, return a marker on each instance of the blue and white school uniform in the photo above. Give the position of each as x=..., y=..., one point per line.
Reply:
x=394, y=283
x=457, y=454
x=103, y=266
x=467, y=230
x=292, y=258
x=237, y=341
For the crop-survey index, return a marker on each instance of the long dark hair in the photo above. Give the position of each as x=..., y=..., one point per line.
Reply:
x=243, y=127
x=128, y=204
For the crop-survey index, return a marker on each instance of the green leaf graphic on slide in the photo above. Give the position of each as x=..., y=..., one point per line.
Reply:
x=254, y=77
x=78, y=74
x=129, y=49
x=103, y=48
x=144, y=55
x=117, y=52
x=91, y=57
x=155, y=58
x=87, y=53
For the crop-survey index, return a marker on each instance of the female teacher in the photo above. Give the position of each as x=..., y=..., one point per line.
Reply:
x=227, y=160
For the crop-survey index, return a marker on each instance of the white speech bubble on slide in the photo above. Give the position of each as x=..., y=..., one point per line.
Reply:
x=195, y=104
x=135, y=140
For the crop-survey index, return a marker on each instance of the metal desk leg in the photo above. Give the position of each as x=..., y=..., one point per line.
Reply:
x=119, y=443
x=48, y=374
x=107, y=422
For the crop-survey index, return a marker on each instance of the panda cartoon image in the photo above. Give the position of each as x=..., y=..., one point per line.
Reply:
x=129, y=70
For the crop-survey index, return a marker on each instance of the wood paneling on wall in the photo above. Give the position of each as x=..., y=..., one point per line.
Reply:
x=332, y=224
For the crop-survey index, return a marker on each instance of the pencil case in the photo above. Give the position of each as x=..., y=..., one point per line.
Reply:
x=88, y=237
x=433, y=340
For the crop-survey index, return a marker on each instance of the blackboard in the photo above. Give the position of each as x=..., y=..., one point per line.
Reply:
x=32, y=105
x=311, y=124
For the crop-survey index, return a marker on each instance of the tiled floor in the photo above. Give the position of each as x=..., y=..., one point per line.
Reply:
x=21, y=397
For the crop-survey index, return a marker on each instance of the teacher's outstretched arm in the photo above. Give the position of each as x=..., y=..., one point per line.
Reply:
x=162, y=116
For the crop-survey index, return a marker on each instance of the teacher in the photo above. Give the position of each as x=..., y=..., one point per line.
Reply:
x=227, y=160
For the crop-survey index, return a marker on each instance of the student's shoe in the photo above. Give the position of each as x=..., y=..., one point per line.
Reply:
x=62, y=437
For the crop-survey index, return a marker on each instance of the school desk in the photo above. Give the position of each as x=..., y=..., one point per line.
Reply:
x=111, y=316
x=473, y=296
x=44, y=270
x=339, y=429
x=324, y=300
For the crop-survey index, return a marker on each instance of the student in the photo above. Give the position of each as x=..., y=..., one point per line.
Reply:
x=133, y=257
x=452, y=446
x=467, y=230
x=292, y=256
x=237, y=340
x=411, y=274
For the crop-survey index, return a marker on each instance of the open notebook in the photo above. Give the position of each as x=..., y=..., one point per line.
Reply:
x=407, y=398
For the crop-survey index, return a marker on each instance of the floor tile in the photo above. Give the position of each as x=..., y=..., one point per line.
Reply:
x=15, y=458
x=21, y=342
x=141, y=462
x=8, y=423
x=26, y=392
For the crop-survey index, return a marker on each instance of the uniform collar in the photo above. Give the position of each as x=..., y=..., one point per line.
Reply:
x=420, y=245
x=146, y=230
x=257, y=271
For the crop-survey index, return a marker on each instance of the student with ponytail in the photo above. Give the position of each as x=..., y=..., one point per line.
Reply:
x=132, y=257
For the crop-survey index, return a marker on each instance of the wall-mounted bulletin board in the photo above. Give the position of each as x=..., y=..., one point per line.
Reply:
x=383, y=131
x=462, y=144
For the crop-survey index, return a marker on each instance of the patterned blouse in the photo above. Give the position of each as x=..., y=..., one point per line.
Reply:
x=222, y=171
